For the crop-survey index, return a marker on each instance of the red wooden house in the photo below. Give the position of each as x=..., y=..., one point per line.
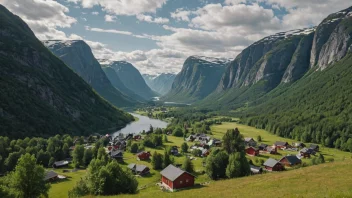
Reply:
x=137, y=137
x=143, y=155
x=273, y=165
x=252, y=151
x=175, y=178
x=290, y=160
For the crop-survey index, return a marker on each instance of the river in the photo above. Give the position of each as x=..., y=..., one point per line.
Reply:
x=143, y=123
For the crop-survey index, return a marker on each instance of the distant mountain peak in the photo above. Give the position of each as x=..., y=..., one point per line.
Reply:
x=212, y=59
x=66, y=43
x=285, y=35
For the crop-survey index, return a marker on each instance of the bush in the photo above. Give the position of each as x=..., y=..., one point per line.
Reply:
x=177, y=132
x=134, y=148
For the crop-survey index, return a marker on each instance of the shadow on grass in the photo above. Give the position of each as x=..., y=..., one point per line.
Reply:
x=149, y=175
x=196, y=186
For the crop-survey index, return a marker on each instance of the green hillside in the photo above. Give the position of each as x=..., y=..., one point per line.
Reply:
x=40, y=95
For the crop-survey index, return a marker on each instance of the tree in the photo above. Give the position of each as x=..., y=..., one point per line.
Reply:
x=233, y=141
x=78, y=155
x=166, y=159
x=259, y=138
x=66, y=150
x=43, y=158
x=28, y=178
x=134, y=148
x=157, y=161
x=197, y=152
x=184, y=147
x=87, y=157
x=51, y=162
x=177, y=132
x=187, y=165
x=349, y=144
x=216, y=165
x=11, y=160
x=165, y=139
x=238, y=165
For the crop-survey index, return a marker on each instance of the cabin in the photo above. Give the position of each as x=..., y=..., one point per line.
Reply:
x=290, y=160
x=252, y=151
x=250, y=142
x=306, y=152
x=174, y=178
x=256, y=170
x=205, y=152
x=262, y=147
x=314, y=147
x=174, y=150
x=214, y=142
x=137, y=137
x=273, y=165
x=116, y=154
x=60, y=164
x=51, y=176
x=282, y=145
x=143, y=155
x=191, y=138
x=272, y=150
x=139, y=169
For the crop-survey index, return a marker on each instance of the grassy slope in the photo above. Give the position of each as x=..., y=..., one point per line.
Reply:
x=319, y=173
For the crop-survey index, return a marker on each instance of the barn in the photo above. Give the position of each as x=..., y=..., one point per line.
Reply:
x=175, y=178
x=51, y=176
x=290, y=160
x=252, y=151
x=282, y=145
x=143, y=155
x=273, y=165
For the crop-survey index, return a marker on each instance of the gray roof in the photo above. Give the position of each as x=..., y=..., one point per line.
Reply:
x=140, y=168
x=314, y=146
x=292, y=159
x=270, y=162
x=247, y=139
x=131, y=166
x=61, y=163
x=117, y=152
x=172, y=173
x=256, y=169
x=49, y=175
x=281, y=143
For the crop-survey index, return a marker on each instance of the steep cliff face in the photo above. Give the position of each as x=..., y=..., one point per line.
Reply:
x=118, y=84
x=198, y=78
x=132, y=79
x=332, y=39
x=278, y=58
x=161, y=83
x=78, y=55
x=40, y=95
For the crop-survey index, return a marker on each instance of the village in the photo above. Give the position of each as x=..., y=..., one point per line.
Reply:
x=265, y=152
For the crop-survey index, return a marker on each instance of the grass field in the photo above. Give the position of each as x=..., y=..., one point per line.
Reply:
x=271, y=183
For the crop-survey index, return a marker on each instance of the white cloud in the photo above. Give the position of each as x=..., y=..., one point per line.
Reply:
x=42, y=16
x=110, y=18
x=95, y=13
x=108, y=31
x=125, y=7
x=150, y=19
x=181, y=15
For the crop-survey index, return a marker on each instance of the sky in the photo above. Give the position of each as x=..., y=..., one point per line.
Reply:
x=157, y=36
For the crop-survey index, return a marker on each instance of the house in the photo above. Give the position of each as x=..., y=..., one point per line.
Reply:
x=143, y=155
x=214, y=142
x=256, y=170
x=273, y=165
x=137, y=137
x=51, y=176
x=138, y=169
x=191, y=138
x=60, y=164
x=281, y=145
x=314, y=147
x=252, y=151
x=116, y=154
x=306, y=152
x=262, y=147
x=250, y=141
x=175, y=178
x=290, y=160
x=205, y=152
x=271, y=150
x=174, y=150
x=299, y=145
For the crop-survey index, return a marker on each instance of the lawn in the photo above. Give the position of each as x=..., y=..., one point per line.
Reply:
x=60, y=189
x=227, y=188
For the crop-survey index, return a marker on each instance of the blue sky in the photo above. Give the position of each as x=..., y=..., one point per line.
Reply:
x=158, y=35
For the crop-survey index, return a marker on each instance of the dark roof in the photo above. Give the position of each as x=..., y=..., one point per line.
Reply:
x=172, y=173
x=278, y=143
x=61, y=163
x=292, y=159
x=117, y=152
x=49, y=175
x=307, y=150
x=270, y=162
x=263, y=145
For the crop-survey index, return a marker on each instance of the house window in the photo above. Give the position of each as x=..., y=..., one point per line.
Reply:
x=180, y=182
x=186, y=180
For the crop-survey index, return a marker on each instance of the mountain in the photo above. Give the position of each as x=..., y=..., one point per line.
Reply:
x=40, y=95
x=118, y=84
x=198, y=78
x=132, y=79
x=78, y=55
x=161, y=83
